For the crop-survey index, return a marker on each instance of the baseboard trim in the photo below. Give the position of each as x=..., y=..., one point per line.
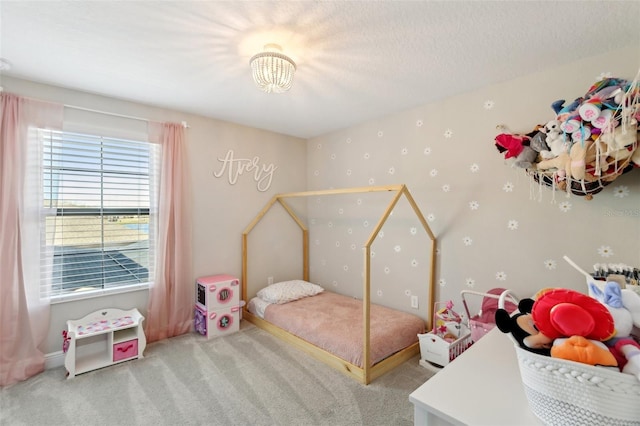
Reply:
x=53, y=360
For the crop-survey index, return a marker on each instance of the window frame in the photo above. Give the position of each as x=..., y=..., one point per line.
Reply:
x=102, y=211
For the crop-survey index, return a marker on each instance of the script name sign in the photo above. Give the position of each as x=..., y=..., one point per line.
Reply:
x=235, y=167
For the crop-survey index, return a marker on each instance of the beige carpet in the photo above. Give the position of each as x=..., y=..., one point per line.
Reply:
x=247, y=378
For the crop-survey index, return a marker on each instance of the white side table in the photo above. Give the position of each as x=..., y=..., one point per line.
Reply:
x=481, y=387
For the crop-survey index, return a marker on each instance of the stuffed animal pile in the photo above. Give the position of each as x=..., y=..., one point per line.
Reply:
x=596, y=329
x=587, y=145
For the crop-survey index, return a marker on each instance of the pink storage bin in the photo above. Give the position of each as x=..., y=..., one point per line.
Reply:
x=125, y=350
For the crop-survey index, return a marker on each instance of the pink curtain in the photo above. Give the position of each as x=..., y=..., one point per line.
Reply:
x=171, y=296
x=24, y=316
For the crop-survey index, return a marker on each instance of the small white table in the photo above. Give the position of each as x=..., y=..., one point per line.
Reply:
x=481, y=387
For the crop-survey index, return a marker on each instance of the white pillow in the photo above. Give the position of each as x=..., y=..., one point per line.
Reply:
x=288, y=291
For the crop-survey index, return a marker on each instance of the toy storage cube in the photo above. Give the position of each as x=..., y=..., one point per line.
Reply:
x=125, y=350
x=217, y=323
x=217, y=291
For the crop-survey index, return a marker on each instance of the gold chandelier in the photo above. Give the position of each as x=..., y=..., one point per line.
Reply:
x=272, y=70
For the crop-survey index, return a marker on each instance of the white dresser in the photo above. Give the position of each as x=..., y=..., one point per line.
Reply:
x=481, y=387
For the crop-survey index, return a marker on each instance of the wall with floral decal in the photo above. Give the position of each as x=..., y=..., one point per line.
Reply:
x=495, y=226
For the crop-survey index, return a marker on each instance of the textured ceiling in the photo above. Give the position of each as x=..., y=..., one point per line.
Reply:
x=356, y=60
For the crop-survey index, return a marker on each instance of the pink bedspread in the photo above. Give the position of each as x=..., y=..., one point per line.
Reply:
x=334, y=323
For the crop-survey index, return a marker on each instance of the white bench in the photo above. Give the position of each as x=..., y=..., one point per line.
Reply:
x=103, y=338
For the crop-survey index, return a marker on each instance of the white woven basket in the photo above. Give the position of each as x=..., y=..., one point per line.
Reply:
x=562, y=392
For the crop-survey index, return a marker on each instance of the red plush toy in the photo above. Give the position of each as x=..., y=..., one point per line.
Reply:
x=563, y=312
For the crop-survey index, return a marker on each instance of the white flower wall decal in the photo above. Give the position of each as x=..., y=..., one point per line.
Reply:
x=605, y=251
x=621, y=191
x=564, y=206
x=378, y=154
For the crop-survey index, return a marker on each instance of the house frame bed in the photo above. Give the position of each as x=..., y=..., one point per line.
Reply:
x=368, y=372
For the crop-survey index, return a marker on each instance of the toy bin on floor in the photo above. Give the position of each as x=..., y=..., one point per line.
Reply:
x=448, y=339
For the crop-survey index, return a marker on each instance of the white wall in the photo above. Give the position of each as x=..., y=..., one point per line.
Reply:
x=221, y=210
x=445, y=154
x=476, y=248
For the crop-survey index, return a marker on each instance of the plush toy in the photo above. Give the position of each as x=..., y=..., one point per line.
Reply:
x=522, y=328
x=555, y=140
x=536, y=145
x=562, y=162
x=580, y=349
x=622, y=135
x=563, y=312
x=631, y=352
x=511, y=145
x=578, y=155
x=563, y=111
x=625, y=316
x=635, y=157
x=611, y=297
x=518, y=148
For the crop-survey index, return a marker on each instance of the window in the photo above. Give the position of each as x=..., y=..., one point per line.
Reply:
x=98, y=193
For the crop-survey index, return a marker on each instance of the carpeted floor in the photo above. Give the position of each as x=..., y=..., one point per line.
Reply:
x=247, y=378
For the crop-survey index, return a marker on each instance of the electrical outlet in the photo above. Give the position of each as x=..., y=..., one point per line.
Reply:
x=269, y=280
x=414, y=302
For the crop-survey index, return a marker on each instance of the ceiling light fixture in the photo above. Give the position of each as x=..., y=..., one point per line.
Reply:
x=272, y=71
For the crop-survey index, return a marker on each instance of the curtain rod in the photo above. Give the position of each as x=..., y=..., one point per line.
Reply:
x=131, y=117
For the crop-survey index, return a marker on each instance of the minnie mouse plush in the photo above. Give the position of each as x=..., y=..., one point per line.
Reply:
x=522, y=328
x=556, y=313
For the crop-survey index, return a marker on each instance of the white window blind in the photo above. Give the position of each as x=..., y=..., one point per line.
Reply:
x=98, y=194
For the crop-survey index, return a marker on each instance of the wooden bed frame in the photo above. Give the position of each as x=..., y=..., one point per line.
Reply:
x=369, y=372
